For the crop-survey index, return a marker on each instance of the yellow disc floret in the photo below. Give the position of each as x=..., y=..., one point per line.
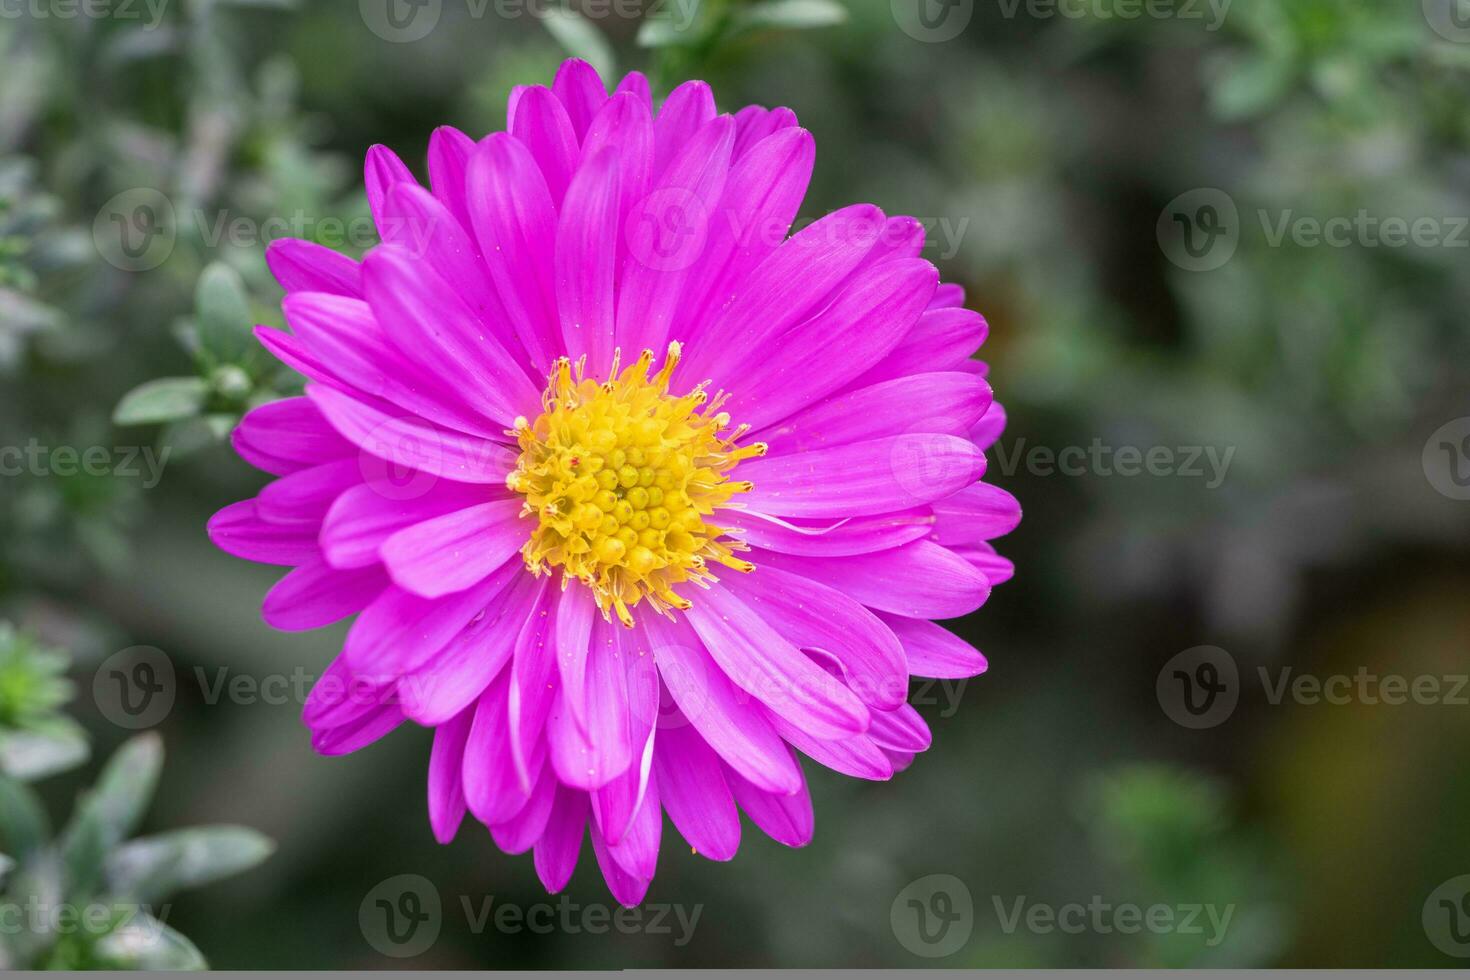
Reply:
x=622, y=478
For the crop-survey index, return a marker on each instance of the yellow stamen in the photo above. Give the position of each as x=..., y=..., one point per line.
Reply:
x=622, y=477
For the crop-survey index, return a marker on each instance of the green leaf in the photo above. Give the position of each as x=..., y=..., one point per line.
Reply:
x=144, y=943
x=56, y=745
x=152, y=868
x=790, y=15
x=24, y=828
x=112, y=809
x=163, y=400
x=672, y=23
x=581, y=39
x=225, y=322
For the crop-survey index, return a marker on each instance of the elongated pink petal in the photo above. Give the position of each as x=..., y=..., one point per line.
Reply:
x=559, y=847
x=861, y=478
x=304, y=497
x=769, y=667
x=381, y=170
x=542, y=124
x=692, y=786
x=941, y=340
x=922, y=579
x=626, y=888
x=684, y=113
x=976, y=513
x=727, y=718
x=864, y=323
x=933, y=651
x=666, y=233
x=857, y=755
x=367, y=515
x=575, y=610
x=288, y=435
x=943, y=402
x=515, y=223
x=831, y=537
x=446, y=789
x=581, y=90
x=413, y=443
x=239, y=530
x=521, y=832
x=453, y=552
x=449, y=159
x=764, y=191
x=401, y=631
x=586, y=260
x=809, y=614
x=787, y=287
x=302, y=266
x=316, y=595
x=436, y=329
x=463, y=668
x=786, y=819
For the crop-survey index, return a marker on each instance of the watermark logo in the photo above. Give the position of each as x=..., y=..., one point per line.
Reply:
x=402, y=916
x=1447, y=459
x=1446, y=917
x=1105, y=918
x=1199, y=687
x=136, y=230
x=668, y=229
x=934, y=916
x=1450, y=19
x=150, y=12
x=401, y=21
x=135, y=688
x=933, y=21
x=1199, y=230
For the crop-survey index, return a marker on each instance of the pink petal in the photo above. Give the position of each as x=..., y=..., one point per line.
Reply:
x=580, y=89
x=684, y=113
x=976, y=513
x=542, y=124
x=365, y=516
x=302, y=266
x=586, y=257
x=861, y=478
x=945, y=402
x=317, y=595
x=853, y=536
x=786, y=819
x=692, y=787
x=446, y=789
x=933, y=651
x=559, y=847
x=728, y=719
x=453, y=552
x=762, y=662
x=922, y=580
x=239, y=530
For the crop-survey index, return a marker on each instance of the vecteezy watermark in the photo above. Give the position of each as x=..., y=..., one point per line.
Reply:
x=1446, y=917
x=35, y=459
x=1212, y=12
x=933, y=21
x=1201, y=687
x=1446, y=459
x=403, y=916
x=135, y=688
x=1450, y=19
x=150, y=12
x=933, y=916
x=1103, y=918
x=138, y=230
x=405, y=21
x=1208, y=463
x=1200, y=230
x=34, y=915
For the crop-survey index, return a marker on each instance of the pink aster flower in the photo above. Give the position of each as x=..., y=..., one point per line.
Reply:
x=636, y=496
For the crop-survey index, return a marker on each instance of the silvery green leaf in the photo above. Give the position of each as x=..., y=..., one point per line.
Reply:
x=581, y=38
x=672, y=23
x=24, y=828
x=111, y=810
x=33, y=753
x=150, y=869
x=224, y=321
x=790, y=15
x=144, y=943
x=163, y=400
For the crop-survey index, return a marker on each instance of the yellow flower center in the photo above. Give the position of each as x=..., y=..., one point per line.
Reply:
x=622, y=478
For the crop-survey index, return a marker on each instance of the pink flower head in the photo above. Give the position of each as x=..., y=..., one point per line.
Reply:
x=633, y=492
